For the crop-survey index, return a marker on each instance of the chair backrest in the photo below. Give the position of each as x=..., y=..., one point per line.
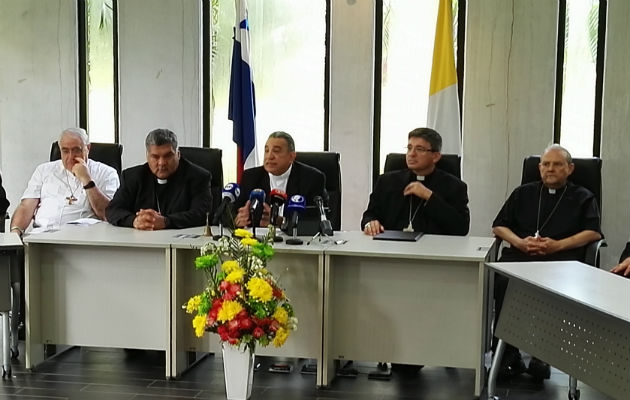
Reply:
x=587, y=173
x=211, y=160
x=107, y=153
x=450, y=163
x=328, y=163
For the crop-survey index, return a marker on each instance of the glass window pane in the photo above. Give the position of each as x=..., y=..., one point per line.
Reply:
x=408, y=36
x=287, y=55
x=578, y=91
x=100, y=53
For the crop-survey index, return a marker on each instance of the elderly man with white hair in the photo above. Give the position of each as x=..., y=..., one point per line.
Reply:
x=67, y=189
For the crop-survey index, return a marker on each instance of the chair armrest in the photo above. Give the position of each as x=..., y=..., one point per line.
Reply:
x=591, y=256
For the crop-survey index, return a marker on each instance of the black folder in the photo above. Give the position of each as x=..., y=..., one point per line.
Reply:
x=400, y=236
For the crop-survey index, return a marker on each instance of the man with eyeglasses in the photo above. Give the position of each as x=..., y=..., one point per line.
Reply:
x=67, y=189
x=279, y=171
x=421, y=198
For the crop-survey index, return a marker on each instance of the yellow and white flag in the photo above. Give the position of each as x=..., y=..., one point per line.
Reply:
x=443, y=115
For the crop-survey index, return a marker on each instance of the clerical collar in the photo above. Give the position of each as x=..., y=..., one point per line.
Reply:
x=280, y=181
x=162, y=181
x=420, y=177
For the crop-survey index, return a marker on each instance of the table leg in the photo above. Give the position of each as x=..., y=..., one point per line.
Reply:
x=494, y=370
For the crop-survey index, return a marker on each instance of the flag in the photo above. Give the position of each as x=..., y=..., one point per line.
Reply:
x=443, y=114
x=242, y=103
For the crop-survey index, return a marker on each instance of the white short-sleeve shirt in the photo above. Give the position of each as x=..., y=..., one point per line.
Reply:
x=53, y=185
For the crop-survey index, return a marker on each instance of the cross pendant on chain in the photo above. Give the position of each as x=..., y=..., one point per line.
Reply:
x=71, y=199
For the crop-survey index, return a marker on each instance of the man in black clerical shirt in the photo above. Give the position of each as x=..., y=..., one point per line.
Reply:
x=165, y=192
x=279, y=171
x=4, y=205
x=547, y=220
x=422, y=198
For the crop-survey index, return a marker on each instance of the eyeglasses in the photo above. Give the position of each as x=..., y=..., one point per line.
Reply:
x=418, y=149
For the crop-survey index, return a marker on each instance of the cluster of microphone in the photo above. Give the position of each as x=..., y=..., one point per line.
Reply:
x=278, y=200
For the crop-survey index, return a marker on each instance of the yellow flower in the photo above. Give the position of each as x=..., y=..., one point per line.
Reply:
x=193, y=304
x=242, y=233
x=228, y=310
x=199, y=323
x=281, y=315
x=260, y=289
x=281, y=337
x=249, y=241
x=236, y=275
x=229, y=266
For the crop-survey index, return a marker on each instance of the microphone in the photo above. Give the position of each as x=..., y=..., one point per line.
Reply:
x=324, y=224
x=256, y=200
x=277, y=199
x=296, y=206
x=229, y=194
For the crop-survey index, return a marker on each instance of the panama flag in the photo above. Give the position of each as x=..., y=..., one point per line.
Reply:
x=443, y=115
x=242, y=107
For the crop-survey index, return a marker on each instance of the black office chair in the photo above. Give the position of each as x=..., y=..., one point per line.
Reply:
x=450, y=163
x=587, y=173
x=107, y=153
x=328, y=163
x=211, y=160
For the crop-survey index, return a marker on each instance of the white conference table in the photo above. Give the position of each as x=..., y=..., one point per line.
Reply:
x=98, y=286
x=571, y=315
x=118, y=287
x=422, y=302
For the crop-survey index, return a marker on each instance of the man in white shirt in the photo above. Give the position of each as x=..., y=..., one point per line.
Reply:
x=67, y=189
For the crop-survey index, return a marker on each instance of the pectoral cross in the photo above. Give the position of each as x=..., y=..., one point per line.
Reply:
x=71, y=199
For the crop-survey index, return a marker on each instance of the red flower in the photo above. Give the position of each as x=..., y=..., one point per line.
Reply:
x=242, y=314
x=223, y=332
x=224, y=285
x=232, y=326
x=233, y=340
x=258, y=332
x=217, y=303
x=274, y=325
x=246, y=324
x=234, y=289
x=277, y=293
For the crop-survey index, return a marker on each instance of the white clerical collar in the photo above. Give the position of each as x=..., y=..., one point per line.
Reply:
x=280, y=181
x=420, y=177
x=162, y=181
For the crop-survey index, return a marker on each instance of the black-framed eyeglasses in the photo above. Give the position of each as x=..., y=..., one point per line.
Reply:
x=418, y=149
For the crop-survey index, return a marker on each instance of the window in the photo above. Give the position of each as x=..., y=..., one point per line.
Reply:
x=408, y=32
x=288, y=53
x=99, y=82
x=579, y=98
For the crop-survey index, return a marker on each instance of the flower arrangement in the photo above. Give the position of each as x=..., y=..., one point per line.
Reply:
x=242, y=301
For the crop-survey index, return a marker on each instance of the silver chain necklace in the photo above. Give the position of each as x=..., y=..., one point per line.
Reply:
x=553, y=210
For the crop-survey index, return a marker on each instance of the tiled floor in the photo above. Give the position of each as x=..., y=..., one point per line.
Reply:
x=95, y=373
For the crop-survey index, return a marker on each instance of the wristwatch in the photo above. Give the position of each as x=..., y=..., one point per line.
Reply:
x=89, y=185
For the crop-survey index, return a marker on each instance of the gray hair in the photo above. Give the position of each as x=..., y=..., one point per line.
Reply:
x=430, y=135
x=285, y=136
x=76, y=132
x=160, y=137
x=565, y=152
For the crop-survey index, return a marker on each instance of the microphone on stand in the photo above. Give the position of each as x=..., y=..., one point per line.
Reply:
x=256, y=201
x=277, y=198
x=325, y=226
x=296, y=206
x=229, y=194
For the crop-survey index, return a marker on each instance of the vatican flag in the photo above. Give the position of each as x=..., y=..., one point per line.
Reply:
x=443, y=114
